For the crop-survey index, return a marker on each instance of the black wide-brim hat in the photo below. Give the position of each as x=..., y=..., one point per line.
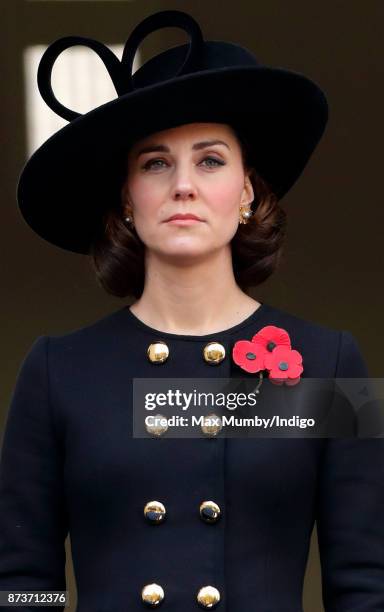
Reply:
x=68, y=184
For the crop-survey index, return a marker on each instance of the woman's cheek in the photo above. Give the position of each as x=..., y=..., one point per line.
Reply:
x=145, y=207
x=228, y=194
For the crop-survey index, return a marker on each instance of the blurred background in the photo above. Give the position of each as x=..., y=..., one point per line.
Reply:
x=332, y=270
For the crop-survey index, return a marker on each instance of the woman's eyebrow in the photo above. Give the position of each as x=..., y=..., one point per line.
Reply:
x=208, y=143
x=196, y=147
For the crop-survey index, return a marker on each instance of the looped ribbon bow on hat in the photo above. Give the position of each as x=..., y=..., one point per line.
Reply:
x=269, y=349
x=120, y=72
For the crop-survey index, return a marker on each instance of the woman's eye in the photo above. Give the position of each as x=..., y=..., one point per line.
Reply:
x=213, y=159
x=151, y=162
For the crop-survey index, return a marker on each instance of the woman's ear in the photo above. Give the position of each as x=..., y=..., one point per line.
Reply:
x=248, y=194
x=126, y=203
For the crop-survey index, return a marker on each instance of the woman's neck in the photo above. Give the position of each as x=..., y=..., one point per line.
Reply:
x=192, y=299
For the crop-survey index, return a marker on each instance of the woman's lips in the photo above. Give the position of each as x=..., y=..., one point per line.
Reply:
x=183, y=221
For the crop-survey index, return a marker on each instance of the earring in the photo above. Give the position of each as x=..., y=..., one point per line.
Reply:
x=128, y=219
x=245, y=214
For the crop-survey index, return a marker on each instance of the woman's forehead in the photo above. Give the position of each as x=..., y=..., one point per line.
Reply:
x=191, y=131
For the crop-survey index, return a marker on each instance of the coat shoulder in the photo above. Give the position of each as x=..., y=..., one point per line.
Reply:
x=91, y=341
x=326, y=351
x=105, y=325
x=301, y=329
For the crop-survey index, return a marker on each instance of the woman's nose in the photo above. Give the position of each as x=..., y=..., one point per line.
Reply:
x=183, y=187
x=184, y=194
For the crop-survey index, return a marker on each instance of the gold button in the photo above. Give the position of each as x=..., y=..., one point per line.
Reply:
x=158, y=352
x=152, y=594
x=154, y=512
x=214, y=353
x=157, y=425
x=208, y=597
x=209, y=511
x=212, y=424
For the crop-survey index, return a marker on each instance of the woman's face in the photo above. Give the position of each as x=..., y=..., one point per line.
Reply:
x=186, y=170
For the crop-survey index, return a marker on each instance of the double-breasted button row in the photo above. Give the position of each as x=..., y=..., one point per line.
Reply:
x=207, y=597
x=155, y=512
x=213, y=352
x=212, y=424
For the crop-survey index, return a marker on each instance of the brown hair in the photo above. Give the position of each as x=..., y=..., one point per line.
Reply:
x=117, y=257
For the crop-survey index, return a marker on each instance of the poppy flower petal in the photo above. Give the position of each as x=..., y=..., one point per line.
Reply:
x=295, y=370
x=271, y=336
x=292, y=381
x=240, y=348
x=269, y=361
x=296, y=356
x=248, y=356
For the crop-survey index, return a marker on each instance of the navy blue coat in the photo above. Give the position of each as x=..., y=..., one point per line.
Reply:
x=69, y=463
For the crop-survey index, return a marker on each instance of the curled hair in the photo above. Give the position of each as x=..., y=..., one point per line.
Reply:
x=118, y=256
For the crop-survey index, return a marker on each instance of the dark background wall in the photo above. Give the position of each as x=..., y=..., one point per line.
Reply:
x=332, y=272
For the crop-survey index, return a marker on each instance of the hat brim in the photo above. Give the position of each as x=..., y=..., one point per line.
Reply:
x=76, y=175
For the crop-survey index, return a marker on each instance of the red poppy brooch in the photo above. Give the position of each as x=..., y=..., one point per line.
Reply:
x=269, y=350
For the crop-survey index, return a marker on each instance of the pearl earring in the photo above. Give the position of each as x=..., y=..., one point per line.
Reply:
x=128, y=219
x=245, y=214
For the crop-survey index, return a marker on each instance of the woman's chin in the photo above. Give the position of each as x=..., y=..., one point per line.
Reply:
x=182, y=252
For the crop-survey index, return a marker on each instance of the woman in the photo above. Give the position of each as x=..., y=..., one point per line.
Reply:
x=184, y=292
x=213, y=521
